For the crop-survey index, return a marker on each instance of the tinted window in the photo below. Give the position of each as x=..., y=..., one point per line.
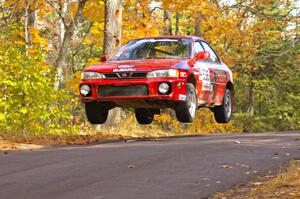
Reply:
x=213, y=56
x=159, y=48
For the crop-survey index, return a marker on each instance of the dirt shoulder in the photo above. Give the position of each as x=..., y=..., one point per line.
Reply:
x=37, y=142
x=285, y=185
x=6, y=145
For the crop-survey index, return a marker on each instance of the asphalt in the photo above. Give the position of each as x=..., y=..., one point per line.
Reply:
x=175, y=168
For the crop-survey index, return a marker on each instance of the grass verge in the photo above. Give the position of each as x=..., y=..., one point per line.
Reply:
x=285, y=185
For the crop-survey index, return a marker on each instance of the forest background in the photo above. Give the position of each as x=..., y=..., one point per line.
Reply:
x=45, y=44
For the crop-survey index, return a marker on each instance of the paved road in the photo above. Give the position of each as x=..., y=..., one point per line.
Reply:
x=182, y=168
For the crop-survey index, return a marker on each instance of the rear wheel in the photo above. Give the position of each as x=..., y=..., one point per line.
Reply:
x=186, y=111
x=96, y=113
x=144, y=116
x=223, y=113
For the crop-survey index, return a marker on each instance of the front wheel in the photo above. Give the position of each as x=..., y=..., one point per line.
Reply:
x=96, y=113
x=223, y=113
x=186, y=111
x=144, y=116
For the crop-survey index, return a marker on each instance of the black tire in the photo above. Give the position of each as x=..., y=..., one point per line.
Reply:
x=223, y=113
x=96, y=113
x=186, y=111
x=144, y=116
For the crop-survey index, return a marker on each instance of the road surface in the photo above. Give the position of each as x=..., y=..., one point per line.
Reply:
x=175, y=168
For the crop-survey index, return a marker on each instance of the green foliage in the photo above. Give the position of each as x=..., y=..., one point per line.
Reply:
x=28, y=103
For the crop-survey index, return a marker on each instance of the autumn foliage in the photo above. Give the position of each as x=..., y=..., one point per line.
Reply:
x=45, y=44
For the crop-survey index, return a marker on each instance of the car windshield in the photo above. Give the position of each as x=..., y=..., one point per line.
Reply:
x=159, y=48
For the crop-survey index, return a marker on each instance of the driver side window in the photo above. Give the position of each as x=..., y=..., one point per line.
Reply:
x=198, y=47
x=213, y=57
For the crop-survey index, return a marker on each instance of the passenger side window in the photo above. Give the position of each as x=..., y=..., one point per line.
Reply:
x=213, y=56
x=198, y=48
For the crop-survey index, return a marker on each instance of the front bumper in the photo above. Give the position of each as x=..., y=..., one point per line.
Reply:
x=177, y=93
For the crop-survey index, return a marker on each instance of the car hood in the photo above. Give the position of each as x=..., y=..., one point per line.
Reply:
x=136, y=65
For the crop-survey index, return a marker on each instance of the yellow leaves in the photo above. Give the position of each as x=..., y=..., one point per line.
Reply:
x=93, y=60
x=72, y=8
x=44, y=9
x=24, y=110
x=36, y=38
x=206, y=124
x=235, y=75
x=164, y=117
x=88, y=41
x=2, y=116
x=138, y=22
x=9, y=3
x=73, y=82
x=20, y=43
x=94, y=11
x=96, y=35
x=19, y=33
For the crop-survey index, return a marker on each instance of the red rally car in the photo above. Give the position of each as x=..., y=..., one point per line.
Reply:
x=149, y=74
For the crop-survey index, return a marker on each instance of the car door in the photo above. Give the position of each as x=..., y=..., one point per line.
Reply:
x=204, y=86
x=218, y=75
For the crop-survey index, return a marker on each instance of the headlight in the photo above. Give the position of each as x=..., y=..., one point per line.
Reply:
x=163, y=88
x=85, y=90
x=163, y=73
x=91, y=75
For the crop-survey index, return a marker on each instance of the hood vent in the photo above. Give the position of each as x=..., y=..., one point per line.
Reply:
x=125, y=75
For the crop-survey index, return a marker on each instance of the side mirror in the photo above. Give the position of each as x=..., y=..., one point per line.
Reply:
x=104, y=58
x=202, y=56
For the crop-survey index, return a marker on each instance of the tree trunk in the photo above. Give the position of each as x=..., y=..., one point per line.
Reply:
x=29, y=23
x=168, y=23
x=177, y=23
x=112, y=40
x=250, y=109
x=198, y=24
x=113, y=26
x=62, y=25
x=61, y=61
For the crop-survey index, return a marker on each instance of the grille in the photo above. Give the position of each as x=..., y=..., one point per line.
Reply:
x=130, y=90
x=125, y=75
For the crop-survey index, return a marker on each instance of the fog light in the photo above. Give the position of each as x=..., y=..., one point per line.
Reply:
x=85, y=90
x=163, y=88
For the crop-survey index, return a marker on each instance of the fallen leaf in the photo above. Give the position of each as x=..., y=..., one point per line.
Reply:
x=246, y=166
x=131, y=166
x=226, y=166
x=257, y=183
x=270, y=176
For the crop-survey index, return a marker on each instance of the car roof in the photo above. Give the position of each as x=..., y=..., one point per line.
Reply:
x=171, y=37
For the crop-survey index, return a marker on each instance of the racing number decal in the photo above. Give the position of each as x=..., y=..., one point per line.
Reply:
x=205, y=77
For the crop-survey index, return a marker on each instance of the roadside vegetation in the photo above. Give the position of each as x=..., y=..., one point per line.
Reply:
x=285, y=185
x=44, y=45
